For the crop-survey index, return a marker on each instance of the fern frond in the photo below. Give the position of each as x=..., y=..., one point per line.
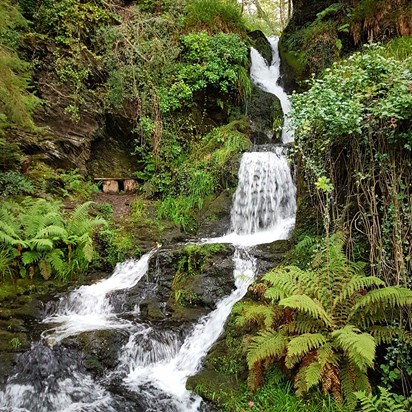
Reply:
x=40, y=244
x=266, y=345
x=30, y=256
x=55, y=258
x=352, y=380
x=283, y=281
x=52, y=231
x=307, y=305
x=327, y=355
x=382, y=334
x=355, y=284
x=249, y=313
x=307, y=377
x=389, y=297
x=359, y=347
x=302, y=324
x=301, y=345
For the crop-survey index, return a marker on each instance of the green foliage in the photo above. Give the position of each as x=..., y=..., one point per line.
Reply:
x=16, y=101
x=15, y=343
x=397, y=366
x=215, y=16
x=331, y=318
x=43, y=240
x=117, y=244
x=14, y=183
x=385, y=401
x=360, y=110
x=207, y=170
x=215, y=62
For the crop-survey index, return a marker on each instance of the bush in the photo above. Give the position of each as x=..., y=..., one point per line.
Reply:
x=215, y=16
x=14, y=183
x=42, y=240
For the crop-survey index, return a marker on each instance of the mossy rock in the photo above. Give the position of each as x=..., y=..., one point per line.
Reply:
x=261, y=44
x=267, y=117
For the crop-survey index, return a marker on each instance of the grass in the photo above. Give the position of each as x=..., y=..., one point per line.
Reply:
x=215, y=16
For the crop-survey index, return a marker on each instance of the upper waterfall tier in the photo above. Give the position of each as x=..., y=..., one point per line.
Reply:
x=266, y=77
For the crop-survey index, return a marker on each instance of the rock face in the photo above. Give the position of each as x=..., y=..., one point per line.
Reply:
x=183, y=283
x=261, y=44
x=266, y=112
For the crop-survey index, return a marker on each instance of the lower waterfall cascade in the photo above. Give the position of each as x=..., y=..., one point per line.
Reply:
x=154, y=364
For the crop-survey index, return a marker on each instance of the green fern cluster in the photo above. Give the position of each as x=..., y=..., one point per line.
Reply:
x=385, y=401
x=40, y=239
x=323, y=322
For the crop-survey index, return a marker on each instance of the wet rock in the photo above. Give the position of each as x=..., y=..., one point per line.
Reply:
x=100, y=348
x=183, y=283
x=271, y=255
x=261, y=44
x=215, y=216
x=266, y=111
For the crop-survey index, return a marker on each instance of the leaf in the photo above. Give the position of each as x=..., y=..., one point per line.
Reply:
x=359, y=347
x=299, y=346
x=388, y=297
x=266, y=345
x=306, y=304
x=30, y=256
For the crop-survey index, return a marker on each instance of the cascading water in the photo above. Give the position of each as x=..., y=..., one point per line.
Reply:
x=155, y=363
x=88, y=307
x=267, y=77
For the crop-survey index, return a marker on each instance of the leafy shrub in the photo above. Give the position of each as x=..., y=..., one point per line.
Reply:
x=216, y=61
x=14, y=183
x=215, y=15
x=357, y=117
x=41, y=239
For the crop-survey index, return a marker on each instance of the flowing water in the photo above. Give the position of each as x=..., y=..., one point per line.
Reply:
x=154, y=364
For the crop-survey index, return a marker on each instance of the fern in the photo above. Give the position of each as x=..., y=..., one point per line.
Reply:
x=307, y=377
x=301, y=345
x=355, y=284
x=306, y=304
x=266, y=345
x=359, y=347
x=253, y=313
x=390, y=296
x=332, y=317
x=383, y=402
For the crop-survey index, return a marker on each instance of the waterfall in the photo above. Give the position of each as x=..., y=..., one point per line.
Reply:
x=88, y=308
x=154, y=364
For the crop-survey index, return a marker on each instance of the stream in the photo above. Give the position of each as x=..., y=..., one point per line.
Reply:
x=154, y=364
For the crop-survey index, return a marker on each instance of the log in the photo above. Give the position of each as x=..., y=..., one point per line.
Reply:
x=110, y=186
x=130, y=185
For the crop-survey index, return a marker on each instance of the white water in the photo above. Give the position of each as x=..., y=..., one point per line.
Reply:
x=266, y=77
x=263, y=211
x=155, y=363
x=88, y=308
x=171, y=366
